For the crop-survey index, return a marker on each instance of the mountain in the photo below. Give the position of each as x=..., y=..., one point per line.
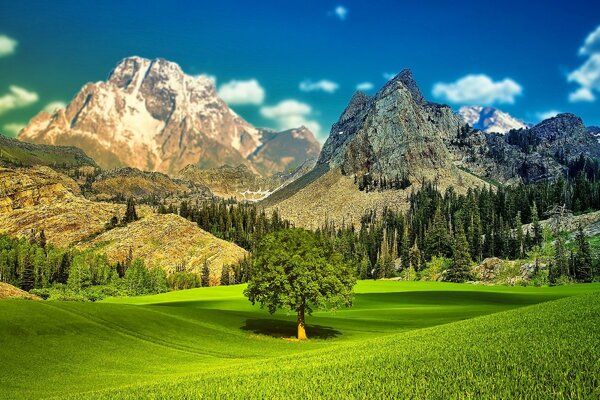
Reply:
x=151, y=116
x=380, y=149
x=541, y=152
x=490, y=119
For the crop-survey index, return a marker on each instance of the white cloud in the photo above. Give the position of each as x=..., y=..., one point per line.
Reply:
x=389, y=75
x=587, y=76
x=582, y=94
x=7, y=45
x=323, y=85
x=547, y=114
x=340, y=12
x=591, y=44
x=365, y=86
x=17, y=98
x=13, y=128
x=53, y=106
x=478, y=89
x=291, y=113
x=242, y=92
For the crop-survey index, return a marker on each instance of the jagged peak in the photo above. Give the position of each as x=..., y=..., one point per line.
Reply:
x=561, y=119
x=357, y=103
x=404, y=78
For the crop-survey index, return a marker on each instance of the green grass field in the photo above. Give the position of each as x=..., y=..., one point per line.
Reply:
x=401, y=339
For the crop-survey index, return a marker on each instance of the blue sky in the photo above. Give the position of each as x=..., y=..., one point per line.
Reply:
x=281, y=63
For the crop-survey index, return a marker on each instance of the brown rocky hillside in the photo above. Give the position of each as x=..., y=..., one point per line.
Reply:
x=167, y=241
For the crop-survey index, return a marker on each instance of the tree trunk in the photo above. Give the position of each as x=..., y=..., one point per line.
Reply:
x=301, y=330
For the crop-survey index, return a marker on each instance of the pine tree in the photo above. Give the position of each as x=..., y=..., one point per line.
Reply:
x=438, y=242
x=205, y=279
x=582, y=257
x=28, y=277
x=404, y=248
x=460, y=268
x=560, y=264
x=130, y=213
x=536, y=226
x=225, y=275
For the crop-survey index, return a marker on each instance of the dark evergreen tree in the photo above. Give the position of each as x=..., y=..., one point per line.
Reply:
x=460, y=268
x=205, y=278
x=582, y=257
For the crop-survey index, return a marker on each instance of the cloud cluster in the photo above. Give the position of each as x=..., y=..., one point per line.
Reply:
x=323, y=85
x=587, y=76
x=478, y=89
x=7, y=45
x=13, y=128
x=365, y=86
x=291, y=113
x=17, y=98
x=242, y=92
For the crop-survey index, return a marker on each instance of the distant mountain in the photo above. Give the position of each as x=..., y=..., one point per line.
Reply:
x=490, y=119
x=239, y=182
x=151, y=116
x=541, y=152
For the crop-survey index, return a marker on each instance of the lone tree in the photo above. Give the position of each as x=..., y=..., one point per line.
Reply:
x=298, y=270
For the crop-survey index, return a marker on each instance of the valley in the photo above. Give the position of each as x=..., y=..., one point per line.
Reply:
x=210, y=342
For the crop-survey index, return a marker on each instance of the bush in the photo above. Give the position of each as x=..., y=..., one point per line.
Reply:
x=183, y=280
x=434, y=269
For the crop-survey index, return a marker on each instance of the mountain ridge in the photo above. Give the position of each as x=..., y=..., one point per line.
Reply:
x=150, y=115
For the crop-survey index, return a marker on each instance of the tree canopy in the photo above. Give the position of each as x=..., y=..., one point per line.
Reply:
x=297, y=270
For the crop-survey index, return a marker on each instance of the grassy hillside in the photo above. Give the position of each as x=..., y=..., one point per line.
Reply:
x=405, y=339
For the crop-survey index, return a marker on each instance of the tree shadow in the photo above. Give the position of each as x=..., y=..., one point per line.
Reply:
x=287, y=329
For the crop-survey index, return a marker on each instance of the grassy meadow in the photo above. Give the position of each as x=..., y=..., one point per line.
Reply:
x=401, y=339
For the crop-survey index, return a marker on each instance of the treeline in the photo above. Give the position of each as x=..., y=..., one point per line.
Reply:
x=240, y=223
x=464, y=228
x=56, y=273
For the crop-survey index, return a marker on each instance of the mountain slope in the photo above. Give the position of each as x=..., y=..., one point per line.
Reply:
x=381, y=148
x=151, y=116
x=35, y=199
x=490, y=119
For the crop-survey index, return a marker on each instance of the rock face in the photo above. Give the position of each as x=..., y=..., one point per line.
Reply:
x=27, y=187
x=394, y=133
x=541, y=152
x=490, y=119
x=151, y=116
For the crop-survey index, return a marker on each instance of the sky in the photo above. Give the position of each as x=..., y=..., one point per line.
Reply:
x=285, y=63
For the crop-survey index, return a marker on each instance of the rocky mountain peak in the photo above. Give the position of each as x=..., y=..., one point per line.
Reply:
x=152, y=116
x=404, y=78
x=394, y=134
x=560, y=126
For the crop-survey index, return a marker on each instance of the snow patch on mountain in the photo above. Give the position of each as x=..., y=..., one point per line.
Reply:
x=490, y=119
